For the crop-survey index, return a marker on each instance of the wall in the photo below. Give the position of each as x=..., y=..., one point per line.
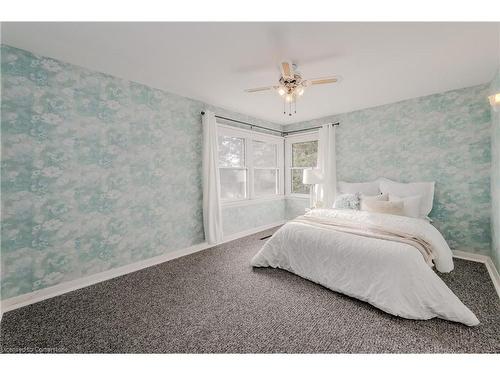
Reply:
x=443, y=138
x=241, y=218
x=295, y=207
x=97, y=172
x=495, y=175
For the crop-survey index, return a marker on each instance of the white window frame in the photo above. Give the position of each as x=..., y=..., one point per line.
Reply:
x=289, y=140
x=249, y=136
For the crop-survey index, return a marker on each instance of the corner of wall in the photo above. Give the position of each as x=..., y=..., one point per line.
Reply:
x=495, y=175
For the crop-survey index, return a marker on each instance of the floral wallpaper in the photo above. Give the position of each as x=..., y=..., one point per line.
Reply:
x=240, y=218
x=295, y=207
x=495, y=175
x=444, y=138
x=97, y=172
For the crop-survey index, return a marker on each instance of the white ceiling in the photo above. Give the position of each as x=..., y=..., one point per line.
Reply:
x=213, y=62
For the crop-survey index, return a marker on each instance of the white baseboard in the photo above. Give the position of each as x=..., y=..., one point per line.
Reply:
x=486, y=260
x=249, y=232
x=69, y=286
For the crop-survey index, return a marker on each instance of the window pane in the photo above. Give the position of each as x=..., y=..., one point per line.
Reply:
x=233, y=183
x=231, y=152
x=297, y=186
x=305, y=154
x=264, y=154
x=265, y=182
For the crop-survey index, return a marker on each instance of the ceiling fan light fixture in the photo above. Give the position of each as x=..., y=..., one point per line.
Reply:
x=292, y=86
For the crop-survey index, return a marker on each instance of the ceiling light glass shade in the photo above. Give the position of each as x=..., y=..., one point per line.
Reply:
x=289, y=97
x=495, y=101
x=281, y=91
x=300, y=91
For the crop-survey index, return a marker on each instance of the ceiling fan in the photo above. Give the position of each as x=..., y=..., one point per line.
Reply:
x=292, y=85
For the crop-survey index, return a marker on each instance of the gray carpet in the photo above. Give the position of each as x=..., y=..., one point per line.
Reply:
x=213, y=301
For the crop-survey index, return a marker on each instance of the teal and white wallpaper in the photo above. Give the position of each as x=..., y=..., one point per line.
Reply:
x=495, y=175
x=97, y=172
x=444, y=138
x=240, y=218
x=295, y=207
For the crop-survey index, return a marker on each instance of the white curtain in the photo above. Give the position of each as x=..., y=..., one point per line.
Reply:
x=212, y=216
x=327, y=163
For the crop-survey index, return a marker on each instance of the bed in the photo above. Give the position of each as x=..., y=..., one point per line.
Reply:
x=383, y=259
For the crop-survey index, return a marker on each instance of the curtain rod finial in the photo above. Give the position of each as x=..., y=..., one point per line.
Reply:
x=202, y=113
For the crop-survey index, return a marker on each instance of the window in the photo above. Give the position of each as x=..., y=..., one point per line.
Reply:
x=265, y=168
x=233, y=173
x=250, y=164
x=302, y=153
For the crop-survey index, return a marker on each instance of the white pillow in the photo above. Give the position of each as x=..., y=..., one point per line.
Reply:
x=385, y=207
x=364, y=199
x=424, y=189
x=411, y=205
x=368, y=188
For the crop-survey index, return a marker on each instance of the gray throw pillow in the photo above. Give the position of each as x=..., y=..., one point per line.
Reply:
x=347, y=201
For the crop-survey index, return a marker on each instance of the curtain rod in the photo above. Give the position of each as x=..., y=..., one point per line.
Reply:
x=282, y=133
x=307, y=129
x=246, y=123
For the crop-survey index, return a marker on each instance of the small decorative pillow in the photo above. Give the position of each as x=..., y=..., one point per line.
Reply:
x=371, y=198
x=347, y=201
x=384, y=207
x=411, y=205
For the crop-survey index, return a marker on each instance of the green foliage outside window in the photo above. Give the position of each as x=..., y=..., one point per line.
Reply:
x=304, y=155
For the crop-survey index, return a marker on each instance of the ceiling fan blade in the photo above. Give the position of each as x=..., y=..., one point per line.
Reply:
x=257, y=89
x=287, y=69
x=306, y=83
x=325, y=80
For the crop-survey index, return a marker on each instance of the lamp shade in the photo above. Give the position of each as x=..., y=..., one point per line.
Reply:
x=495, y=101
x=312, y=177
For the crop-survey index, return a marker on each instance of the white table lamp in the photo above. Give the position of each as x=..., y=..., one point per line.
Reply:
x=495, y=101
x=311, y=177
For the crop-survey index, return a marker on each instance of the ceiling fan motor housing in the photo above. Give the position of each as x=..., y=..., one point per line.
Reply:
x=290, y=84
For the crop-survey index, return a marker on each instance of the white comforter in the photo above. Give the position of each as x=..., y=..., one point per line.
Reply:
x=390, y=275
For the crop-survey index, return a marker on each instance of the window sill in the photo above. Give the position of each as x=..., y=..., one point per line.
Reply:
x=297, y=196
x=248, y=202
